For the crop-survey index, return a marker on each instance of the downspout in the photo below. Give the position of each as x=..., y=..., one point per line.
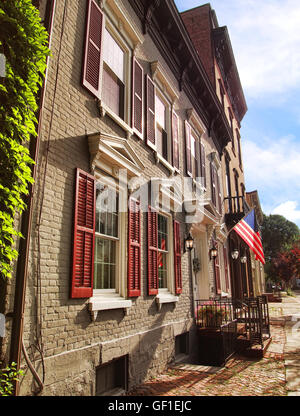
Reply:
x=22, y=264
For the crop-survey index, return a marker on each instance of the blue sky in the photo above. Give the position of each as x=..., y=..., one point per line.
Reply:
x=265, y=37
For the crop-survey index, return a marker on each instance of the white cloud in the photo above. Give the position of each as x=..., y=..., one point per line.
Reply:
x=273, y=163
x=288, y=210
x=265, y=39
x=272, y=166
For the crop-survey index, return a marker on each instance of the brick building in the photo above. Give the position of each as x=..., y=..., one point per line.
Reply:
x=133, y=139
x=213, y=45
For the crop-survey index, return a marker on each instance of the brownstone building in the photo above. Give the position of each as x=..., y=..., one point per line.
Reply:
x=135, y=131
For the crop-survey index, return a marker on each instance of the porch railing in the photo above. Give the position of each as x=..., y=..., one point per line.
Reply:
x=252, y=312
x=213, y=313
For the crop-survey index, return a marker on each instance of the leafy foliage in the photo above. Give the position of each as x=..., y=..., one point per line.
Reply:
x=286, y=265
x=7, y=377
x=23, y=40
x=278, y=234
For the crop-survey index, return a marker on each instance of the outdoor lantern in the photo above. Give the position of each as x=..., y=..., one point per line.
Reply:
x=213, y=252
x=243, y=259
x=235, y=254
x=189, y=242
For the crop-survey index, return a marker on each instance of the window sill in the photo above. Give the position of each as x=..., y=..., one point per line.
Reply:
x=104, y=110
x=102, y=303
x=163, y=161
x=165, y=297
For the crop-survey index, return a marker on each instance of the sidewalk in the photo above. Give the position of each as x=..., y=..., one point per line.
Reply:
x=277, y=374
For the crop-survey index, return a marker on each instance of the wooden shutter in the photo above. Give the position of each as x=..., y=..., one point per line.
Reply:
x=150, y=113
x=137, y=99
x=175, y=140
x=84, y=236
x=218, y=190
x=226, y=268
x=217, y=274
x=152, y=252
x=188, y=152
x=198, y=159
x=202, y=161
x=213, y=184
x=92, y=63
x=177, y=257
x=134, y=248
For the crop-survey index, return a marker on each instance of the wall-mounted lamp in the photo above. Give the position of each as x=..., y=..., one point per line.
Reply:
x=235, y=254
x=189, y=242
x=243, y=259
x=213, y=252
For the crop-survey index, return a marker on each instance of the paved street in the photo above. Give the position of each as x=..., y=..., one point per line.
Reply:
x=277, y=374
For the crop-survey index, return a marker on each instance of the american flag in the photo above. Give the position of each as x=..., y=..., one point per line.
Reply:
x=248, y=230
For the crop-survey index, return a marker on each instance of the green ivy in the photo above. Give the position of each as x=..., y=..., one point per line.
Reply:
x=7, y=377
x=23, y=41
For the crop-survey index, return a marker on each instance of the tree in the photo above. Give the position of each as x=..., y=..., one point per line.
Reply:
x=286, y=265
x=278, y=235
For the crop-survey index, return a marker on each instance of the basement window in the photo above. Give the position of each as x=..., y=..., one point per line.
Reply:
x=181, y=346
x=111, y=378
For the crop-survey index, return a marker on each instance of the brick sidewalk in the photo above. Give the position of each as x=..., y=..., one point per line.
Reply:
x=240, y=377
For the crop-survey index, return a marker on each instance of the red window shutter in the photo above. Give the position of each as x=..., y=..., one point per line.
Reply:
x=217, y=274
x=198, y=159
x=213, y=184
x=202, y=161
x=226, y=268
x=188, y=149
x=219, y=196
x=150, y=113
x=137, y=99
x=177, y=257
x=84, y=236
x=93, y=49
x=175, y=140
x=134, y=248
x=152, y=252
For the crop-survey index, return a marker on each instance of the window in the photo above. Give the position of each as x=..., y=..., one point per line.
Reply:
x=162, y=251
x=107, y=238
x=164, y=255
x=216, y=195
x=239, y=147
x=162, y=119
x=113, y=77
x=181, y=345
x=222, y=93
x=195, y=155
x=232, y=130
x=162, y=132
x=111, y=378
x=109, y=69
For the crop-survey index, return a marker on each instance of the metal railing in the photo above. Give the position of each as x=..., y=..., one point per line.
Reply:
x=213, y=313
x=235, y=204
x=252, y=312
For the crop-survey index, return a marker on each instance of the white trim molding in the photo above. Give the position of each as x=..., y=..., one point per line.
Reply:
x=111, y=153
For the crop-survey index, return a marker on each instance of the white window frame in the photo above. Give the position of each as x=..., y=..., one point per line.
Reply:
x=104, y=299
x=166, y=295
x=168, y=114
x=123, y=44
x=197, y=130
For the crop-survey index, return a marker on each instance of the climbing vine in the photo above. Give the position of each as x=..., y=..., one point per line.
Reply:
x=23, y=42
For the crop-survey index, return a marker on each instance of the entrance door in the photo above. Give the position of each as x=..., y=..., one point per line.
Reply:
x=200, y=273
